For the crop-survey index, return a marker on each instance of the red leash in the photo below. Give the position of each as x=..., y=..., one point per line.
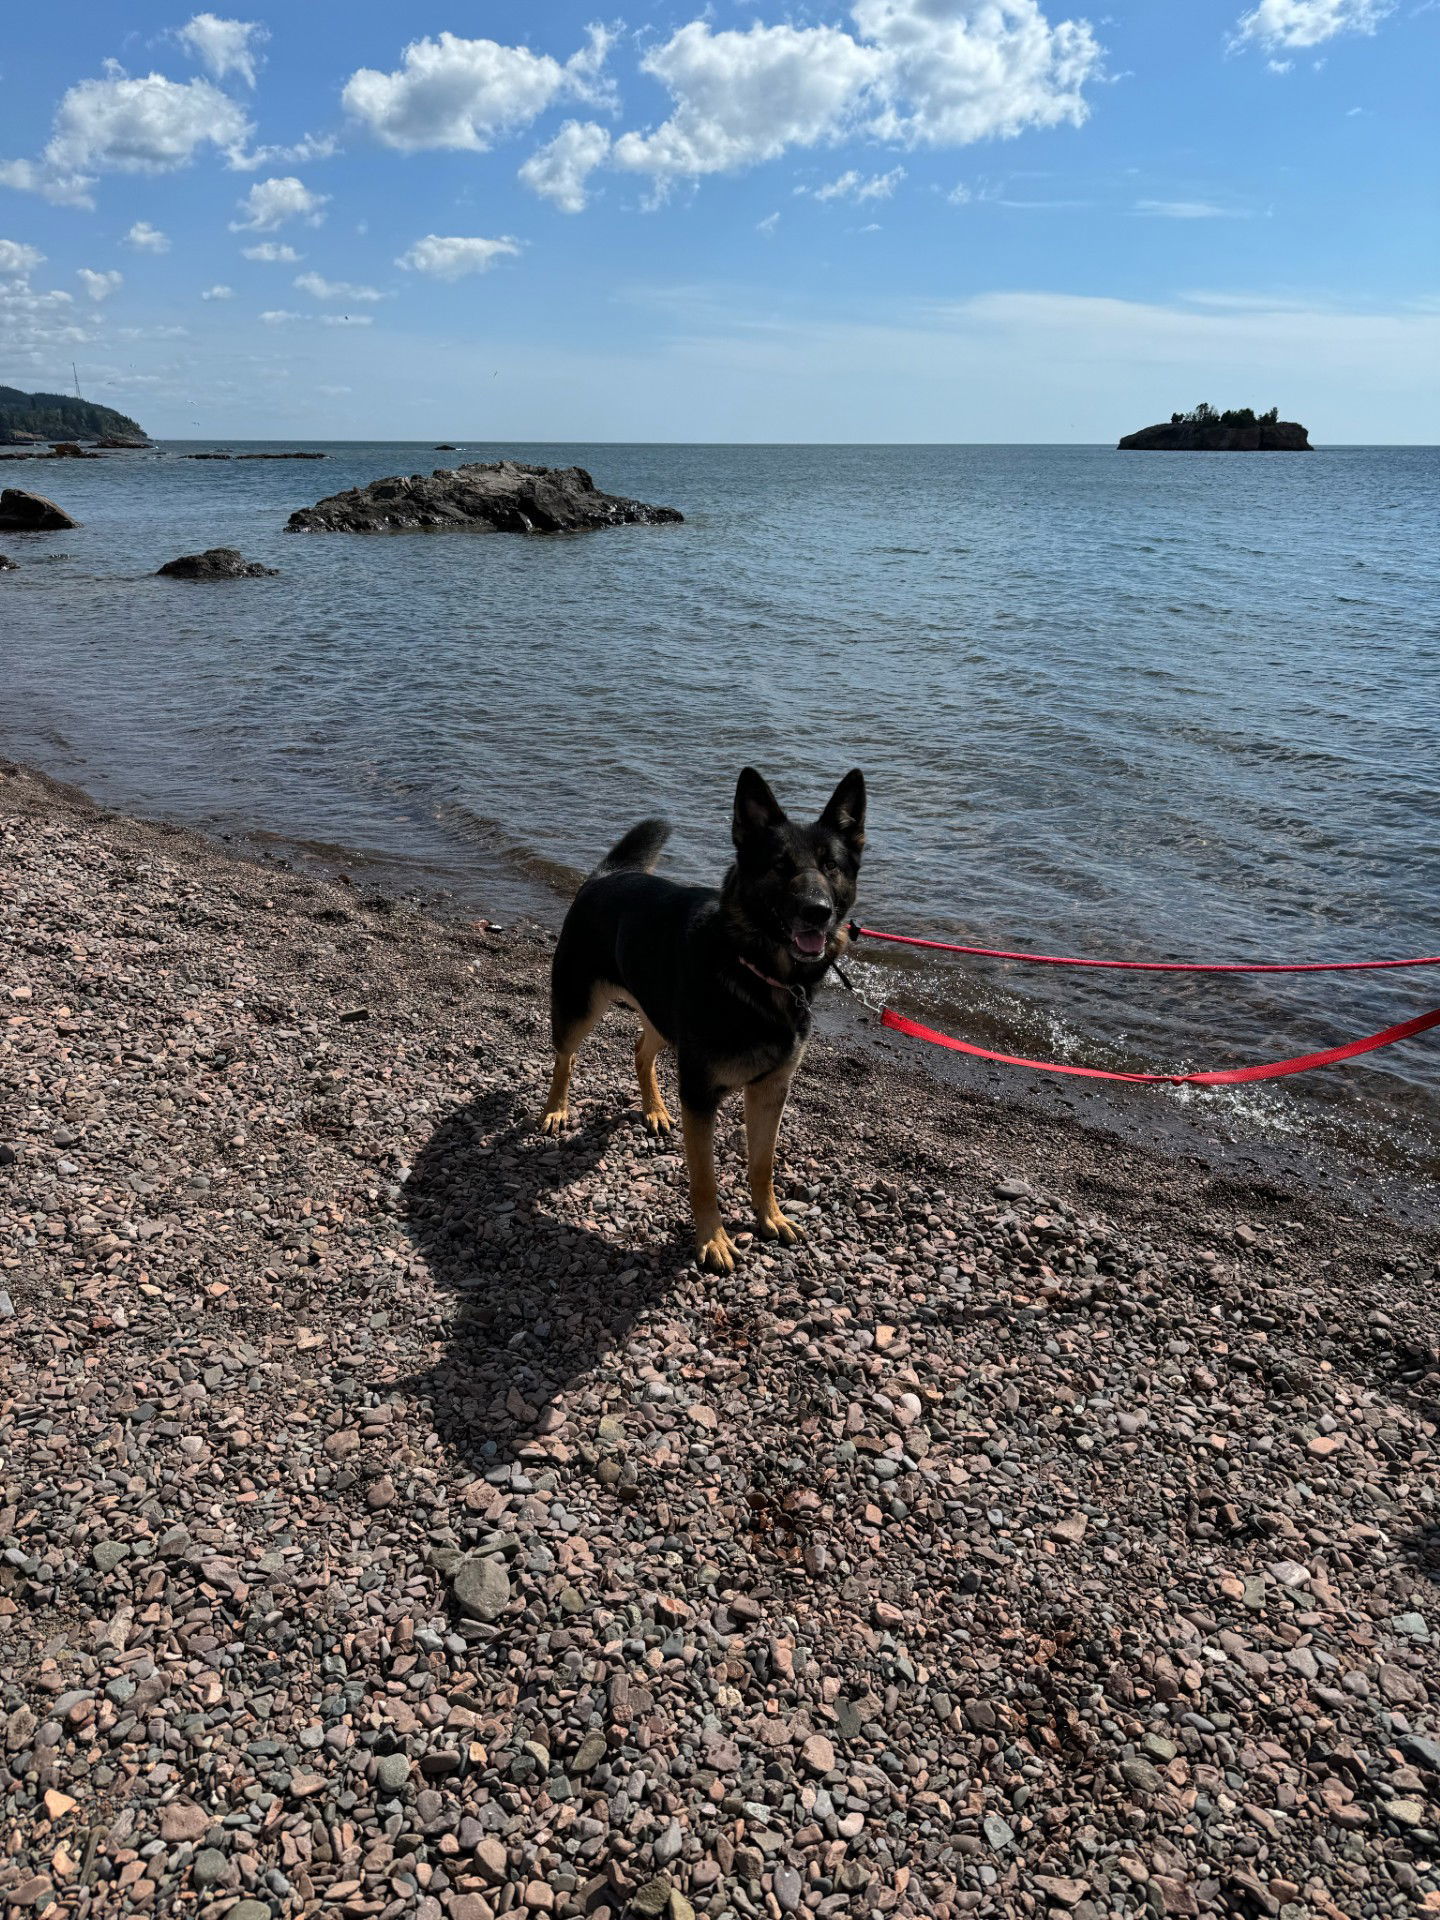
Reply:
x=1152, y=966
x=1222, y=1077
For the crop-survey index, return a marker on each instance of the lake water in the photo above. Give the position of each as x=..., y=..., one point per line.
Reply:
x=1121, y=705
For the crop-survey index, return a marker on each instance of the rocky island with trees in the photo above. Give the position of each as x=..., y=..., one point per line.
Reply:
x=1237, y=430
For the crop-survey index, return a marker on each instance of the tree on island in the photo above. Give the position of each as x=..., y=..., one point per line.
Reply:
x=1205, y=416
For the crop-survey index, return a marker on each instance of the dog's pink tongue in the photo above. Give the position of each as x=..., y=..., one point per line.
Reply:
x=809, y=942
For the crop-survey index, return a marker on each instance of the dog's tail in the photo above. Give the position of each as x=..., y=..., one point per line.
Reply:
x=638, y=851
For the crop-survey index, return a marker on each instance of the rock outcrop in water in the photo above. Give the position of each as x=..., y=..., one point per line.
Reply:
x=216, y=563
x=1203, y=430
x=7, y=565
x=22, y=512
x=504, y=495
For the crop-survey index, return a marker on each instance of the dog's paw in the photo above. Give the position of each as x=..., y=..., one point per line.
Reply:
x=555, y=1120
x=659, y=1123
x=775, y=1226
x=717, y=1253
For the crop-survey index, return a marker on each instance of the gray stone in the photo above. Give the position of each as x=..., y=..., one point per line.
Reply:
x=481, y=1588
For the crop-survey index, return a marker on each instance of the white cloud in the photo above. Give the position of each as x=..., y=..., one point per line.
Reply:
x=768, y=225
x=1188, y=210
x=312, y=147
x=127, y=124
x=960, y=195
x=855, y=186
x=18, y=259
x=270, y=203
x=914, y=73
x=459, y=93
x=448, y=257
x=274, y=252
x=560, y=171
x=147, y=239
x=280, y=317
x=334, y=392
x=218, y=293
x=99, y=286
x=322, y=289
x=1308, y=23
x=224, y=46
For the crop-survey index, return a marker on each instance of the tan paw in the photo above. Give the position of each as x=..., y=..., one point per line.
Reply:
x=659, y=1122
x=716, y=1254
x=774, y=1226
x=555, y=1121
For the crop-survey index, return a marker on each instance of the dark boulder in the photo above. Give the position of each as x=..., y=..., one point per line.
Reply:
x=115, y=444
x=23, y=512
x=446, y=446
x=1204, y=436
x=216, y=563
x=67, y=450
x=7, y=565
x=504, y=495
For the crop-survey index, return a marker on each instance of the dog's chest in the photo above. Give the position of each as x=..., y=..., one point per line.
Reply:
x=743, y=1068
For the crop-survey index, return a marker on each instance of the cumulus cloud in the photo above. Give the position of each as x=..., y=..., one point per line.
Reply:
x=311, y=147
x=278, y=317
x=127, y=123
x=346, y=319
x=270, y=203
x=274, y=252
x=448, y=257
x=321, y=289
x=218, y=293
x=147, y=239
x=99, y=286
x=561, y=170
x=16, y=259
x=224, y=46
x=853, y=185
x=453, y=92
x=913, y=72
x=1276, y=24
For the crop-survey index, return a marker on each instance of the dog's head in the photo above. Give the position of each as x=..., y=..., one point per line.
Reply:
x=792, y=886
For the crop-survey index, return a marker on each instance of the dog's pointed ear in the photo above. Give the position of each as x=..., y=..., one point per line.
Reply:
x=756, y=807
x=845, y=810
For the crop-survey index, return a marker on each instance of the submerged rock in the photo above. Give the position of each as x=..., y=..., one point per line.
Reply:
x=504, y=495
x=32, y=513
x=216, y=563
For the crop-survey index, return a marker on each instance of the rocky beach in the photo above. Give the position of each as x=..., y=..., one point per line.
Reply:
x=394, y=1522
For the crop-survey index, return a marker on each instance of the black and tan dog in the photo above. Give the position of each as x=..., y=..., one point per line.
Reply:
x=725, y=978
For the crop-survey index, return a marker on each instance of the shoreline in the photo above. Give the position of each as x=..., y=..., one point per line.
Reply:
x=1198, y=1126
x=394, y=1521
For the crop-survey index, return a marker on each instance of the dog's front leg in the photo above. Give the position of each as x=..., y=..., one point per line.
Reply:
x=764, y=1104
x=713, y=1246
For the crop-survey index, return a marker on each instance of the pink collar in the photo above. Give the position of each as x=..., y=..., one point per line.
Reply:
x=780, y=986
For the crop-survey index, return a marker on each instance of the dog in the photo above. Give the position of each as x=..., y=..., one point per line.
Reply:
x=725, y=977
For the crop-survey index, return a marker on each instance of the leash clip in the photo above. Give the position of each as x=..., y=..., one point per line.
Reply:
x=860, y=994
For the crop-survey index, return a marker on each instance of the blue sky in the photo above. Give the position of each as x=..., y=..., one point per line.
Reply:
x=952, y=220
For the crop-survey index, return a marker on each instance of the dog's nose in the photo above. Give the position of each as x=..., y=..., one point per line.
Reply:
x=814, y=913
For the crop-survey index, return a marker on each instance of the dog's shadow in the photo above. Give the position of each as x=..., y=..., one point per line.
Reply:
x=544, y=1290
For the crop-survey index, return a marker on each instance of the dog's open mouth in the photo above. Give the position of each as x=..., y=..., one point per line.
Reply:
x=808, y=942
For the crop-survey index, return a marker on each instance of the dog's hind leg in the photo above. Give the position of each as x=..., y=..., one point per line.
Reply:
x=648, y=1043
x=569, y=1030
x=764, y=1104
